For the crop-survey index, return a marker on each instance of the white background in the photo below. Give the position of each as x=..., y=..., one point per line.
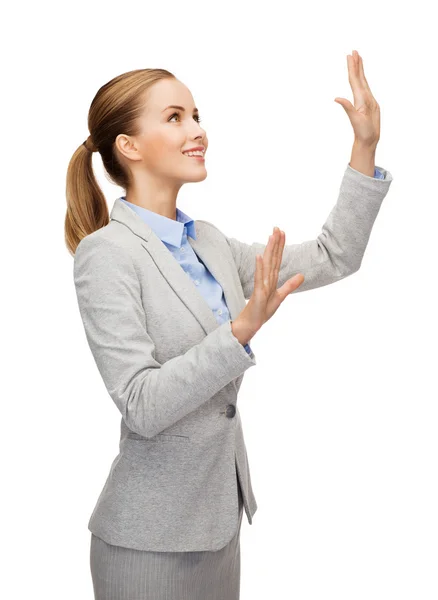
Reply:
x=340, y=413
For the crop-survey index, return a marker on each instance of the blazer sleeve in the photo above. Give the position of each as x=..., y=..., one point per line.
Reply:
x=338, y=250
x=149, y=395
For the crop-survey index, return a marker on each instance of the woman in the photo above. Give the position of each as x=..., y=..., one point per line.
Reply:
x=163, y=302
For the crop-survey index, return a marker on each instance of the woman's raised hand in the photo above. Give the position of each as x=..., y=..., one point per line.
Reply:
x=266, y=298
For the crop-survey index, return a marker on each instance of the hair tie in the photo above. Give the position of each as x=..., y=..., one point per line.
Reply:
x=89, y=144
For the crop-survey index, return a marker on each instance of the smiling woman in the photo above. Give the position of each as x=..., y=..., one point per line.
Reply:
x=168, y=519
x=162, y=298
x=143, y=123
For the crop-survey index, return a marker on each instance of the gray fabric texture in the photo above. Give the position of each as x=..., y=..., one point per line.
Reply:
x=174, y=373
x=120, y=573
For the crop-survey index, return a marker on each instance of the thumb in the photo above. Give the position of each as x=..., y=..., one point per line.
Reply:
x=290, y=286
x=346, y=105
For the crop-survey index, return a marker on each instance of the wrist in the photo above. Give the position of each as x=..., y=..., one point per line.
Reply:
x=241, y=331
x=363, y=157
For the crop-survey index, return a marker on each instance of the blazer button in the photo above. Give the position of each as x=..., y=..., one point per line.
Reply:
x=231, y=411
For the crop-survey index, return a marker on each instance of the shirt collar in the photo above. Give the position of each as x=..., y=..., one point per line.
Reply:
x=168, y=230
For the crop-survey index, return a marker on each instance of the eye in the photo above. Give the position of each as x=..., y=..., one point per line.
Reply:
x=177, y=114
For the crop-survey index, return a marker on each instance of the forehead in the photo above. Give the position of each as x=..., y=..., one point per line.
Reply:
x=166, y=92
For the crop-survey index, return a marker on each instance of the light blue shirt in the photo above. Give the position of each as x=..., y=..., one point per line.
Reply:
x=378, y=174
x=174, y=234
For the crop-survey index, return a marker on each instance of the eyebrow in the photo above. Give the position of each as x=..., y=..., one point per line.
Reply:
x=195, y=110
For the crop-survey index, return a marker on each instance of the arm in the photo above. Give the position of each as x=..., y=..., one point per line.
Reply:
x=149, y=395
x=338, y=250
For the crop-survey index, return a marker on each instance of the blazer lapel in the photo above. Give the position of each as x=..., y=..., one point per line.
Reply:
x=208, y=250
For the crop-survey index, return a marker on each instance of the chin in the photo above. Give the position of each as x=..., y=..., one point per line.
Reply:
x=197, y=177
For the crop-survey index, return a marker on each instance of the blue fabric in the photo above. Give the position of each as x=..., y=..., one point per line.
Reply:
x=378, y=174
x=174, y=234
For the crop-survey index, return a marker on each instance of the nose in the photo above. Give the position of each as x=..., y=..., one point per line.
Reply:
x=200, y=135
x=198, y=128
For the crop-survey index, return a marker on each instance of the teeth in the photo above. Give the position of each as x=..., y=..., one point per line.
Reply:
x=196, y=153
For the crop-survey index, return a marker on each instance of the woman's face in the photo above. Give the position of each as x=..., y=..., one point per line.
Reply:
x=165, y=133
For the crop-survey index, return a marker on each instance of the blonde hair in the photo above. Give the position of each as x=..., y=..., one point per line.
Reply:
x=115, y=109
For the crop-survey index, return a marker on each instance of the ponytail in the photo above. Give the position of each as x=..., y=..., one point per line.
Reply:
x=87, y=209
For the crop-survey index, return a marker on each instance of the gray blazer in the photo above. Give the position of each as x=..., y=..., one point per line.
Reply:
x=174, y=373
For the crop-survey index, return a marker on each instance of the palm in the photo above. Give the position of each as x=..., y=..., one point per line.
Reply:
x=272, y=304
x=365, y=114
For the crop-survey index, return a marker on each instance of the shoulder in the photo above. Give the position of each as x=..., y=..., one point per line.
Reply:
x=108, y=238
x=104, y=250
x=207, y=228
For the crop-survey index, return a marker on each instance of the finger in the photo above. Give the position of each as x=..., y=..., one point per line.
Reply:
x=267, y=259
x=362, y=75
x=290, y=286
x=272, y=277
x=276, y=259
x=279, y=256
x=354, y=79
x=258, y=280
x=367, y=96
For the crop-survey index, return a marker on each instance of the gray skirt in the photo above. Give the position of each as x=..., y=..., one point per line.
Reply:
x=120, y=573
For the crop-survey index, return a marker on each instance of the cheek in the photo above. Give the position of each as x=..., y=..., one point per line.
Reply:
x=159, y=148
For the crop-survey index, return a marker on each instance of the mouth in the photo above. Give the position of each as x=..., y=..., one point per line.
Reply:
x=196, y=155
x=201, y=158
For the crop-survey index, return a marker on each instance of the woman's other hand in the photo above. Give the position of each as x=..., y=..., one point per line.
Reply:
x=365, y=114
x=266, y=298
